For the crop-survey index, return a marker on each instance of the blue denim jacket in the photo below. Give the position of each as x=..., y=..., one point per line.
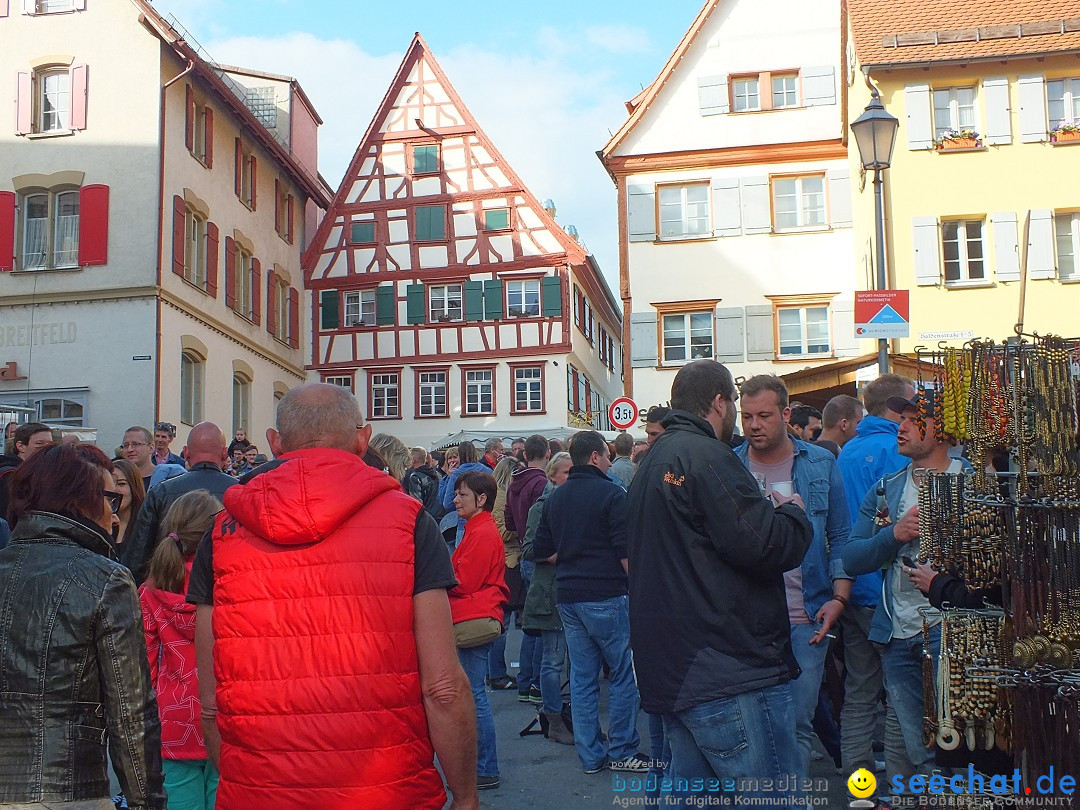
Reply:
x=816, y=478
x=873, y=548
x=863, y=461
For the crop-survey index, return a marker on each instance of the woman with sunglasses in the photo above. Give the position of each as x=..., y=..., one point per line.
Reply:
x=72, y=652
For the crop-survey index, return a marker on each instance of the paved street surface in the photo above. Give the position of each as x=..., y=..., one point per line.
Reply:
x=537, y=773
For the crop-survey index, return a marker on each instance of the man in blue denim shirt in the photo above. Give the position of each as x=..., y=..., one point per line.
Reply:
x=818, y=590
x=863, y=461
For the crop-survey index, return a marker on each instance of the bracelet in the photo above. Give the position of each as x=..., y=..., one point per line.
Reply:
x=843, y=600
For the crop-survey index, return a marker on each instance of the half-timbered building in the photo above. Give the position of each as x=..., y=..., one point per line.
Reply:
x=444, y=295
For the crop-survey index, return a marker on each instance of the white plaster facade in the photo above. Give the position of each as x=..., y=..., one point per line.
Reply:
x=103, y=332
x=763, y=224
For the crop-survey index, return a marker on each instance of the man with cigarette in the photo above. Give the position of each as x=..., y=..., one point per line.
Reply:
x=818, y=590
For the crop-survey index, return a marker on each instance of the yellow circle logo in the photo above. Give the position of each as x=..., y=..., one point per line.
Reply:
x=861, y=783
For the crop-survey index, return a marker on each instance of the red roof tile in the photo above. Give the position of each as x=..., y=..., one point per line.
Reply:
x=958, y=30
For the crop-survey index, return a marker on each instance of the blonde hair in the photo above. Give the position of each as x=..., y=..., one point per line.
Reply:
x=555, y=461
x=187, y=520
x=393, y=452
x=504, y=470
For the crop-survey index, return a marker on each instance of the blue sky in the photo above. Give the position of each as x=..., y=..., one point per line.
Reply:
x=546, y=81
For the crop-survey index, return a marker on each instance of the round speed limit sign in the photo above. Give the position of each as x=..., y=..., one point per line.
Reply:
x=623, y=413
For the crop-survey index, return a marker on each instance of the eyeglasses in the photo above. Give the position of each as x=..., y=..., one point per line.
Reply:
x=114, y=499
x=132, y=445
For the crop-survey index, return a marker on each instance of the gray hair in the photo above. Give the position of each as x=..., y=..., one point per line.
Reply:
x=319, y=415
x=491, y=444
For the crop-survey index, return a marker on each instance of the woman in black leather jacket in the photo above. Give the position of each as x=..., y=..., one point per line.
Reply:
x=73, y=667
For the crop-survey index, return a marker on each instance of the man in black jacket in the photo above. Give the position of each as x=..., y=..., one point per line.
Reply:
x=708, y=616
x=206, y=455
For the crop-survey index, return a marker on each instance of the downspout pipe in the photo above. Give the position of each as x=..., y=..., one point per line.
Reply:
x=160, y=239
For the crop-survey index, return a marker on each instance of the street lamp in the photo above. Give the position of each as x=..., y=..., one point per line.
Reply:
x=875, y=134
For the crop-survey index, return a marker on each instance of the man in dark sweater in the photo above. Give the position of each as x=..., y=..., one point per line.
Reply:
x=206, y=455
x=583, y=531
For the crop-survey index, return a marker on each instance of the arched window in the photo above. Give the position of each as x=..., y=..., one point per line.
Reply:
x=192, y=371
x=241, y=398
x=60, y=411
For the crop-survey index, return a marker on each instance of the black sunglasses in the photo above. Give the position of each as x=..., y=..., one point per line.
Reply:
x=114, y=499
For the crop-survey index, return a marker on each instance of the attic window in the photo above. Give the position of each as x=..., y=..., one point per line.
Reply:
x=262, y=101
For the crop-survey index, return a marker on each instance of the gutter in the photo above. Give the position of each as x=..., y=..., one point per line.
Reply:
x=160, y=239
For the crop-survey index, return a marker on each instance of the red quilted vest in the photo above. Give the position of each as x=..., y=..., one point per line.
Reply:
x=318, y=689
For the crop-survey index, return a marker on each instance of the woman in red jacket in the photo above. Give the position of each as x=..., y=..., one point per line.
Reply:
x=479, y=565
x=169, y=623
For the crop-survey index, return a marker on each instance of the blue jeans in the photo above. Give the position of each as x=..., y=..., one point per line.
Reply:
x=659, y=750
x=552, y=665
x=749, y=736
x=532, y=651
x=474, y=662
x=598, y=631
x=902, y=666
x=805, y=688
x=497, y=654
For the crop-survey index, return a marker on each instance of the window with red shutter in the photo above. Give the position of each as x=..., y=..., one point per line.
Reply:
x=294, y=318
x=238, y=169
x=230, y=273
x=189, y=118
x=208, y=138
x=7, y=230
x=179, y=234
x=256, y=291
x=78, y=96
x=271, y=302
x=93, y=225
x=212, y=259
x=24, y=104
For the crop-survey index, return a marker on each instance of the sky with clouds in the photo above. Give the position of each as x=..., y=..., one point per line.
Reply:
x=546, y=81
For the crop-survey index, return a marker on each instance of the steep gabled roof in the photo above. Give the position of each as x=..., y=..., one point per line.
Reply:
x=419, y=51
x=887, y=32
x=640, y=104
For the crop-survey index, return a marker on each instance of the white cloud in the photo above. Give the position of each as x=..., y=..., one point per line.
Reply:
x=619, y=38
x=547, y=116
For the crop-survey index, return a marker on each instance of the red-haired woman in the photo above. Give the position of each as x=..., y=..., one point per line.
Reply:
x=72, y=654
x=480, y=567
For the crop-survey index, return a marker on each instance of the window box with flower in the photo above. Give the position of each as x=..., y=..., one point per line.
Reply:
x=953, y=139
x=1066, y=132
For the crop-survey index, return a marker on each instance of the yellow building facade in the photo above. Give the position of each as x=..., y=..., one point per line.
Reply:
x=985, y=175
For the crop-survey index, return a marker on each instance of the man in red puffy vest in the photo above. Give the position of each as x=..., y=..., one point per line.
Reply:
x=327, y=667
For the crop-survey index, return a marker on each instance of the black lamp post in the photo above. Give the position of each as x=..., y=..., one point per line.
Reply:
x=875, y=134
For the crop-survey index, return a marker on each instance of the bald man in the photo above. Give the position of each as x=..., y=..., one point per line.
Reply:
x=205, y=451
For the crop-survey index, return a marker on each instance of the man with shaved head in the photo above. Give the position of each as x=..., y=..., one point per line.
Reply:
x=206, y=456
x=327, y=667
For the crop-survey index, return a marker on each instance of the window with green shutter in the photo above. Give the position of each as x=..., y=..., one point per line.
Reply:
x=474, y=300
x=362, y=233
x=430, y=223
x=497, y=219
x=385, y=305
x=425, y=159
x=552, y=296
x=414, y=303
x=493, y=300
x=328, y=309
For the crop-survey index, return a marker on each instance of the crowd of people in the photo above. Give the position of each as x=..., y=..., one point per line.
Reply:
x=243, y=632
